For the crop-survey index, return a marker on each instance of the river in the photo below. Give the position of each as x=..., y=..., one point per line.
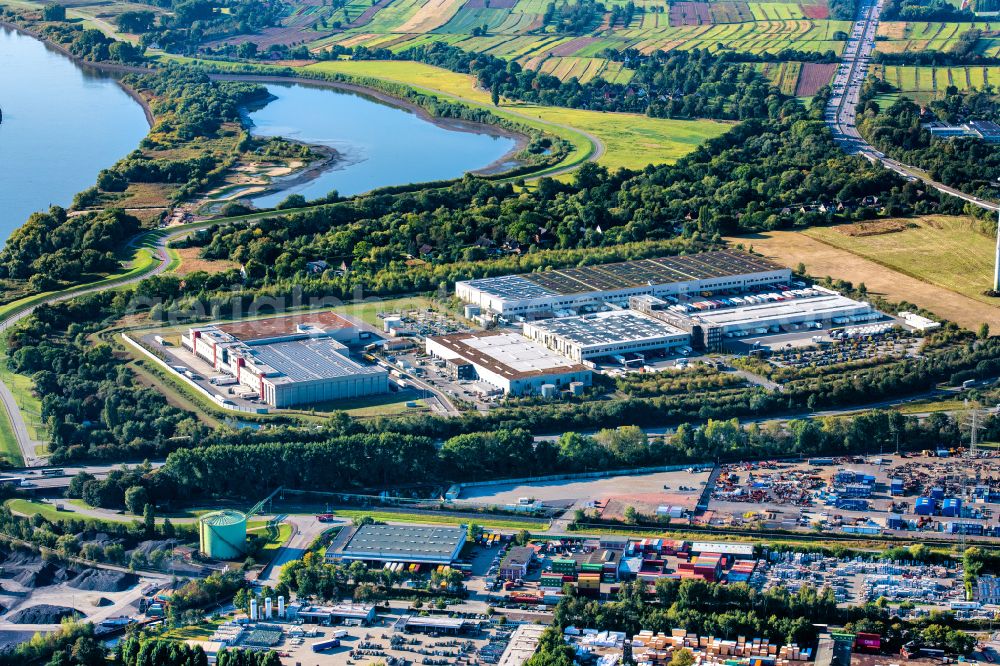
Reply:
x=380, y=144
x=61, y=125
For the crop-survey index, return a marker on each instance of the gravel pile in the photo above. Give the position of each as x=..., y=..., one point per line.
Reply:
x=39, y=574
x=102, y=580
x=43, y=614
x=147, y=547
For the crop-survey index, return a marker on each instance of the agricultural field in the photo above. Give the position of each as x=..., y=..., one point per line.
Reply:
x=783, y=75
x=513, y=29
x=952, y=252
x=630, y=140
x=929, y=82
x=942, y=263
x=899, y=36
x=584, y=69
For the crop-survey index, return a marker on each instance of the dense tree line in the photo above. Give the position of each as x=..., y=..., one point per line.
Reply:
x=54, y=246
x=843, y=10
x=189, y=23
x=575, y=17
x=93, y=45
x=924, y=10
x=75, y=644
x=341, y=457
x=969, y=164
x=675, y=84
x=90, y=399
x=128, y=488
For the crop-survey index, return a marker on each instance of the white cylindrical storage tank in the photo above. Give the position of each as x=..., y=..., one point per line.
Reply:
x=253, y=610
x=548, y=390
x=281, y=607
x=576, y=388
x=390, y=323
x=267, y=608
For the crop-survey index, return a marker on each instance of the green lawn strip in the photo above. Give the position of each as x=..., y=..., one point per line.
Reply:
x=432, y=519
x=924, y=406
x=31, y=508
x=195, y=632
x=9, y=448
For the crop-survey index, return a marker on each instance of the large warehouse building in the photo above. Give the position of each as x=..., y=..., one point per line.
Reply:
x=408, y=544
x=712, y=321
x=291, y=360
x=604, y=334
x=508, y=361
x=532, y=294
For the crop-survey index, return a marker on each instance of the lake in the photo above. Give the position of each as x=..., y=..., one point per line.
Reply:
x=61, y=125
x=380, y=144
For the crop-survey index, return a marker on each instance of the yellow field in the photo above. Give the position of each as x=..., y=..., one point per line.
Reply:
x=941, y=263
x=432, y=15
x=630, y=140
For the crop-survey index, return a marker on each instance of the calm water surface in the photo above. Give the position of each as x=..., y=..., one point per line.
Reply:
x=61, y=126
x=381, y=144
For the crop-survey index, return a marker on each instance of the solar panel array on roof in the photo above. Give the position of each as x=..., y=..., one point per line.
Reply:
x=624, y=275
x=608, y=327
x=511, y=286
x=306, y=360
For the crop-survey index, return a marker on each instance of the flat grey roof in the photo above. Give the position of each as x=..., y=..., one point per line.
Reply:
x=405, y=543
x=509, y=355
x=820, y=306
x=607, y=327
x=307, y=360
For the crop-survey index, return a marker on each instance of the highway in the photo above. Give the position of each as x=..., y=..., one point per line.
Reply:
x=846, y=90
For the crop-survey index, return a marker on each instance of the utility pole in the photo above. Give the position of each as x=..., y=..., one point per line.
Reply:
x=996, y=262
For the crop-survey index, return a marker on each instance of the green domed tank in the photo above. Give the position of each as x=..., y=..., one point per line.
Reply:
x=222, y=535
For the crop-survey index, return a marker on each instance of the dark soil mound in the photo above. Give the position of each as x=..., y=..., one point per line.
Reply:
x=101, y=580
x=43, y=614
x=40, y=575
x=147, y=547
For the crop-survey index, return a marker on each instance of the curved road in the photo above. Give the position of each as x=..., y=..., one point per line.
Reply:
x=28, y=445
x=846, y=91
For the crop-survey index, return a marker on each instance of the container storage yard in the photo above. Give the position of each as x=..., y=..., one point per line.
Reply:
x=925, y=492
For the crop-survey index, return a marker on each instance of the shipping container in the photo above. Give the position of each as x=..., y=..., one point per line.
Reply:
x=320, y=646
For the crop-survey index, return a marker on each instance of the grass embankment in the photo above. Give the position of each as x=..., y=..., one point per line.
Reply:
x=30, y=508
x=444, y=519
x=276, y=535
x=630, y=140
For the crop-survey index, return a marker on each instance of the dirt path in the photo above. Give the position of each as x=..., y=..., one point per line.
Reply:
x=790, y=248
